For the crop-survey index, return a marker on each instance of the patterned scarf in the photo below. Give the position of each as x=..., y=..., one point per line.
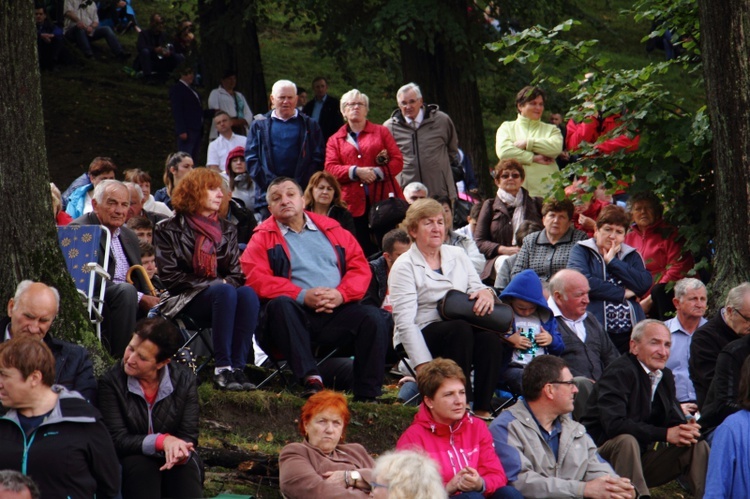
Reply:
x=207, y=238
x=515, y=202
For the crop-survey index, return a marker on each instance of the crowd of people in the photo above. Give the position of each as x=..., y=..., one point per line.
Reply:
x=310, y=228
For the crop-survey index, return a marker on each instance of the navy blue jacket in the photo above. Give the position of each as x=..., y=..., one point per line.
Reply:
x=260, y=158
x=330, y=116
x=187, y=109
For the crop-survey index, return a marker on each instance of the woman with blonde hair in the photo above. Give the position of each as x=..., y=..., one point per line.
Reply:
x=407, y=474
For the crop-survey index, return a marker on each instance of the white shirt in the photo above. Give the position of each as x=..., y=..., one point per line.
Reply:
x=577, y=326
x=219, y=148
x=418, y=120
x=220, y=99
x=656, y=379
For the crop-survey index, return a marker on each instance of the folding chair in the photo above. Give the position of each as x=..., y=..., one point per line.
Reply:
x=80, y=248
x=192, y=332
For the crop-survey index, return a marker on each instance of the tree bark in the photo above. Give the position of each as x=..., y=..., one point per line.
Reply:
x=725, y=50
x=448, y=78
x=230, y=41
x=29, y=239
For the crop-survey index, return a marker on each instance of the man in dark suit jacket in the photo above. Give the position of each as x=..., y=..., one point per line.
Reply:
x=111, y=202
x=187, y=111
x=633, y=412
x=31, y=312
x=588, y=348
x=324, y=108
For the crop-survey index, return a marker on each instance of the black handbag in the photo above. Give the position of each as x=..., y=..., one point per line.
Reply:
x=456, y=305
x=388, y=213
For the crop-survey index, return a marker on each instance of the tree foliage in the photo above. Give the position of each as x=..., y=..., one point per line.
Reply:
x=673, y=159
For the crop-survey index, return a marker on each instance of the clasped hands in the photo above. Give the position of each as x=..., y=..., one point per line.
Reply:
x=323, y=299
x=466, y=480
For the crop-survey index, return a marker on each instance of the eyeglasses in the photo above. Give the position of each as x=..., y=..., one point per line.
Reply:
x=510, y=175
x=569, y=383
x=354, y=104
x=740, y=314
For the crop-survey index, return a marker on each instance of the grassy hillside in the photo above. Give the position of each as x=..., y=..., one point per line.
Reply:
x=95, y=109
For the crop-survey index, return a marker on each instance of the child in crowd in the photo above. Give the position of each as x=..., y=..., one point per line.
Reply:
x=468, y=229
x=143, y=228
x=534, y=329
x=148, y=261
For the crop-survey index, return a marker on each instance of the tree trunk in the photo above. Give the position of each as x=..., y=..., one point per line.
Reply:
x=448, y=79
x=229, y=41
x=27, y=231
x=725, y=49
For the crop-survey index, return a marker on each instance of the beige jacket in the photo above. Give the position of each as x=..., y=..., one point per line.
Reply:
x=415, y=290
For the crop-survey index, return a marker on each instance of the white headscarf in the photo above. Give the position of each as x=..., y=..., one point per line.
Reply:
x=517, y=203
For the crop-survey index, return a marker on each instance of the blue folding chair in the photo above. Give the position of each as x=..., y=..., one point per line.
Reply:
x=80, y=248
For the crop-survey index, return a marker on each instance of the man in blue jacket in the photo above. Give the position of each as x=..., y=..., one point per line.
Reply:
x=285, y=144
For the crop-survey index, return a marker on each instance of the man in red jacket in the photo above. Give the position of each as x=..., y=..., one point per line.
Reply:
x=311, y=274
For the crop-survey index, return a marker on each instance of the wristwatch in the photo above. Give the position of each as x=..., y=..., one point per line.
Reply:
x=355, y=475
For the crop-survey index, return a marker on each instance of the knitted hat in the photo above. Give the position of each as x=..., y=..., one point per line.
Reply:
x=237, y=152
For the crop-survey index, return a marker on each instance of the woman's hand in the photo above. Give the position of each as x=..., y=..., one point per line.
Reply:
x=366, y=174
x=466, y=480
x=336, y=477
x=587, y=223
x=175, y=451
x=508, y=250
x=542, y=159
x=611, y=254
x=485, y=302
x=543, y=338
x=521, y=144
x=629, y=293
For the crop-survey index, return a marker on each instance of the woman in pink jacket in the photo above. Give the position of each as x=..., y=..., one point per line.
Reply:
x=365, y=160
x=460, y=443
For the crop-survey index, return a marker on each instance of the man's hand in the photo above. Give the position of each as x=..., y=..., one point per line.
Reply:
x=148, y=302
x=47, y=37
x=609, y=487
x=542, y=159
x=175, y=450
x=689, y=408
x=684, y=435
x=323, y=299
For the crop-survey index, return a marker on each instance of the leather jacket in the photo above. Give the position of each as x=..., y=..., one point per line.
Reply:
x=175, y=243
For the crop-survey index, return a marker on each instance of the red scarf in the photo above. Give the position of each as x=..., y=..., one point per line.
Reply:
x=207, y=238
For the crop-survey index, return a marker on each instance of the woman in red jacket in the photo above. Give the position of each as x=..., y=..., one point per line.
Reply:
x=365, y=160
x=460, y=443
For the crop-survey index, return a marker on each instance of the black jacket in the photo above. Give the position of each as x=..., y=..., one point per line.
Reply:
x=69, y=455
x=330, y=116
x=621, y=404
x=708, y=340
x=175, y=242
x=590, y=358
x=722, y=397
x=378, y=284
x=73, y=368
x=126, y=413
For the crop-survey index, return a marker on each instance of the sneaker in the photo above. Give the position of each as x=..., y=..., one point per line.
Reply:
x=239, y=377
x=225, y=381
x=312, y=386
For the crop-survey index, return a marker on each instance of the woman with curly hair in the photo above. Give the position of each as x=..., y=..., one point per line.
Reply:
x=198, y=260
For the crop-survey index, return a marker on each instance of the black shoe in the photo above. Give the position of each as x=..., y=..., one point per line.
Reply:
x=312, y=386
x=239, y=377
x=225, y=381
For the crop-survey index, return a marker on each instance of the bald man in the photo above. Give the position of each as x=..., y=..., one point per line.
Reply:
x=31, y=312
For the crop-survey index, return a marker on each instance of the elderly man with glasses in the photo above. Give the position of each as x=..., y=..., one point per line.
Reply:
x=427, y=139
